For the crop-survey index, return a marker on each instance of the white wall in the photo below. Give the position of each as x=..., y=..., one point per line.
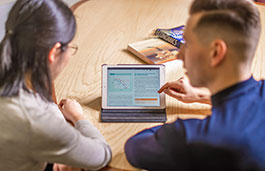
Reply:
x=4, y=10
x=2, y=2
x=5, y=6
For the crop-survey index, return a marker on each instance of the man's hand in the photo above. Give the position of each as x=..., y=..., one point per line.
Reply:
x=61, y=167
x=183, y=91
x=71, y=110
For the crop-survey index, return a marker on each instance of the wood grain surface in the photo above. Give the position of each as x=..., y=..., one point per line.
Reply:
x=105, y=27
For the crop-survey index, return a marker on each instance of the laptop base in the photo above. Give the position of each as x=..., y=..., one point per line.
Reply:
x=133, y=115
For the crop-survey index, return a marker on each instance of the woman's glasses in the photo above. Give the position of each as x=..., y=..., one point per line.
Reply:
x=72, y=48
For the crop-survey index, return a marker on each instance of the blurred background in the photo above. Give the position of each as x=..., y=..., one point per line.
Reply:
x=5, y=6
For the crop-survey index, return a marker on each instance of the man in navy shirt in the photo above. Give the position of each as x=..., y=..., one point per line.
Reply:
x=221, y=37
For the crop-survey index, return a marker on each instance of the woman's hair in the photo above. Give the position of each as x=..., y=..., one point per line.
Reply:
x=33, y=27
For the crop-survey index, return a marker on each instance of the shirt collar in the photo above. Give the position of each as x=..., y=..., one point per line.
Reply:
x=233, y=91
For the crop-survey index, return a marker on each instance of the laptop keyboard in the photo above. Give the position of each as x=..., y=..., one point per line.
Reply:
x=133, y=115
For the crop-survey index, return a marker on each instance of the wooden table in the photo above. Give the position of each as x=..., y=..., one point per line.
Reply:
x=105, y=27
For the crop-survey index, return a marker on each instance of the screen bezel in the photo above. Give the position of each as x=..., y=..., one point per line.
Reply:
x=104, y=89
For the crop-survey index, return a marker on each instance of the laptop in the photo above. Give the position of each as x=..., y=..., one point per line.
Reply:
x=129, y=93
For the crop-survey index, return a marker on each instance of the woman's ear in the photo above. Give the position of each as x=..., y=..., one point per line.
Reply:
x=53, y=52
x=219, y=51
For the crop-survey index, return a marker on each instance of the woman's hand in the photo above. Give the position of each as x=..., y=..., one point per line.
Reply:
x=183, y=91
x=71, y=110
x=61, y=167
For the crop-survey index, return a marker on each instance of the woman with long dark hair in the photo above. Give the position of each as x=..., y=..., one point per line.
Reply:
x=36, y=47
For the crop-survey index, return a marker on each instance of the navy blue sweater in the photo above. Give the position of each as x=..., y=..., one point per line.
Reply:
x=237, y=122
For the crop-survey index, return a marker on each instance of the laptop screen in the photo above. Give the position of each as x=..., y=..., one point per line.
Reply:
x=133, y=87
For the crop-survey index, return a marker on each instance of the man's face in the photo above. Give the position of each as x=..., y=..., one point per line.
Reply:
x=195, y=55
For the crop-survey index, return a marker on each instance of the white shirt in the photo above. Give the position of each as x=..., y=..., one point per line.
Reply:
x=33, y=132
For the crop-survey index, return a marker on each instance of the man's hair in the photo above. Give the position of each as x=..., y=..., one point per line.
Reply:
x=33, y=27
x=237, y=22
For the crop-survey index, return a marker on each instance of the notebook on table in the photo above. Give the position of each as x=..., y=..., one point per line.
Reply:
x=129, y=93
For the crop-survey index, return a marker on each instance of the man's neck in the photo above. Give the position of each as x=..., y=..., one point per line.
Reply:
x=223, y=81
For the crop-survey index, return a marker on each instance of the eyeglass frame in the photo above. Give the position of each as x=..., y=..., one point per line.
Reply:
x=73, y=46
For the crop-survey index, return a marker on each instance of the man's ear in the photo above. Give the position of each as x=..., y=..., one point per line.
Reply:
x=53, y=52
x=219, y=51
x=181, y=53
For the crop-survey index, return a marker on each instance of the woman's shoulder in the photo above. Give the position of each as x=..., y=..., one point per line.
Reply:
x=30, y=106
